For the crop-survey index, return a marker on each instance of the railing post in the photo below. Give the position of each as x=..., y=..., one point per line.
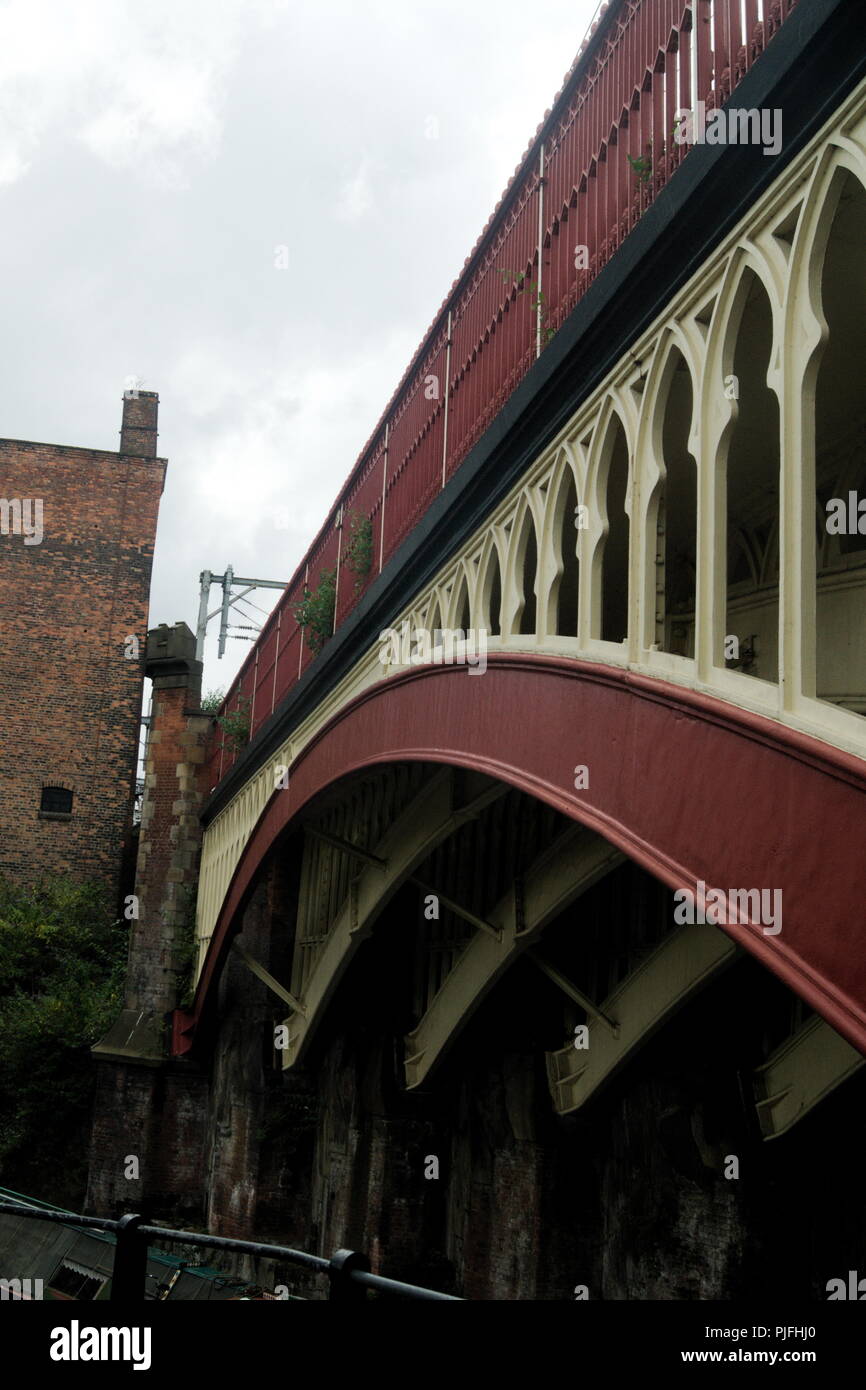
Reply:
x=344, y=1289
x=338, y=522
x=276, y=658
x=130, y=1262
x=384, y=491
x=302, y=630
x=447, y=394
x=539, y=288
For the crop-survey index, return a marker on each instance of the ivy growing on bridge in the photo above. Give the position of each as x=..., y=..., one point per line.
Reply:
x=211, y=703
x=358, y=556
x=315, y=612
x=235, y=724
x=537, y=300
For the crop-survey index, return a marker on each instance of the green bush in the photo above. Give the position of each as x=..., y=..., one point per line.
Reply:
x=212, y=701
x=62, y=964
x=358, y=555
x=236, y=725
x=315, y=612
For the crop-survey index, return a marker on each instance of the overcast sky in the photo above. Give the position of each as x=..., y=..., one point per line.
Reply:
x=154, y=156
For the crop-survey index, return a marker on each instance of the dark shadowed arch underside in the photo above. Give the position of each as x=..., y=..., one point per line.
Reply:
x=689, y=787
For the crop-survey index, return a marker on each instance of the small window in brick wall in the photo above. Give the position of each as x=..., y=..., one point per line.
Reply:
x=56, y=801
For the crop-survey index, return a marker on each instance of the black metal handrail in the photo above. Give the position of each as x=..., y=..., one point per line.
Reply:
x=348, y=1270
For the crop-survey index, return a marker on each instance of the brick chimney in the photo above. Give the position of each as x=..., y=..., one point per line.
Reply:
x=138, y=431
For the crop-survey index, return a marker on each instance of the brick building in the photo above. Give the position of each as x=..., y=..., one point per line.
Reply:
x=77, y=530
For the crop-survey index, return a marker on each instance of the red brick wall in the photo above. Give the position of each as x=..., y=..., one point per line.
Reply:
x=70, y=699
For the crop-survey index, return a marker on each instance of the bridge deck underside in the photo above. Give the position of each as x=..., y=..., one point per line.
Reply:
x=682, y=786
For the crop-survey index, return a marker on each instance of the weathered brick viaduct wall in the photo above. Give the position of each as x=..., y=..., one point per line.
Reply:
x=70, y=694
x=627, y=1196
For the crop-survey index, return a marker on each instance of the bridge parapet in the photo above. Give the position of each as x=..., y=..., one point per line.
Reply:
x=646, y=534
x=609, y=145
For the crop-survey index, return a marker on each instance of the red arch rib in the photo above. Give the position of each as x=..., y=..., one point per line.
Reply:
x=686, y=785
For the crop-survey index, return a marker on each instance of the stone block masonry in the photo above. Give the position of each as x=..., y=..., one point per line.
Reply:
x=147, y=1106
x=170, y=840
x=70, y=677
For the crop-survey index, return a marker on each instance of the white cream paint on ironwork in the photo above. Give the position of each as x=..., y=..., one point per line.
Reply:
x=801, y=1072
x=666, y=980
x=430, y=817
x=571, y=866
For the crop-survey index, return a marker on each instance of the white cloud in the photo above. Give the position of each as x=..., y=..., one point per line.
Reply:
x=291, y=433
x=153, y=155
x=140, y=87
x=157, y=124
x=356, y=196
